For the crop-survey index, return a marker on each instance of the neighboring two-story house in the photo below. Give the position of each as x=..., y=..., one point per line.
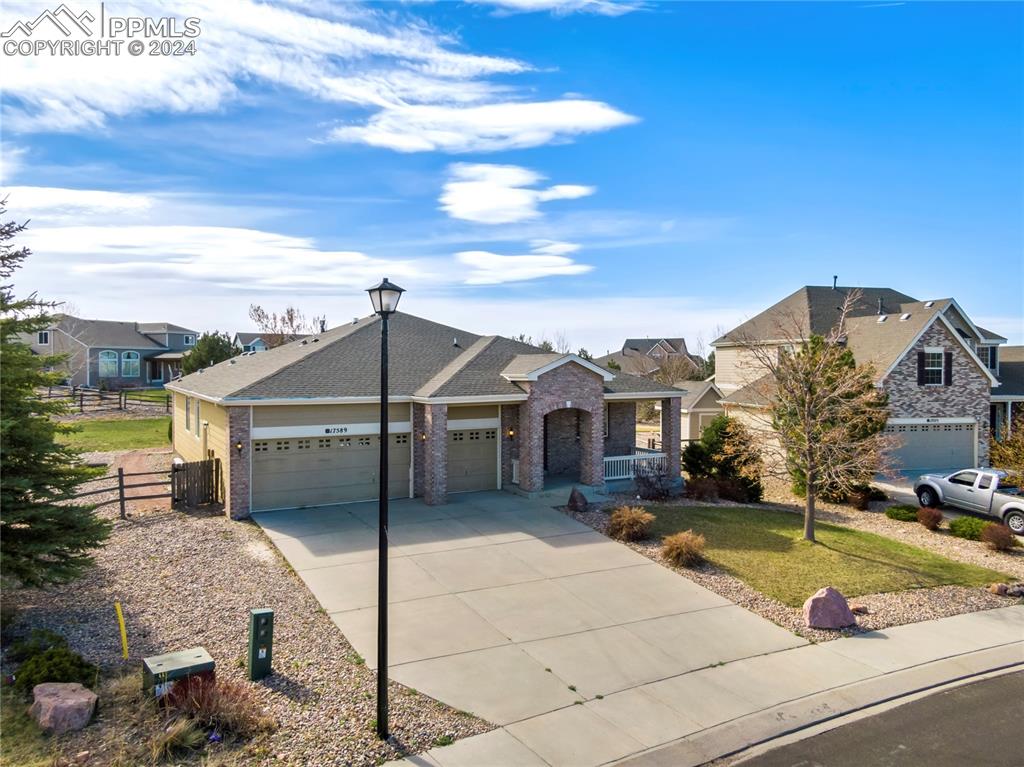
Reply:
x=645, y=356
x=115, y=355
x=260, y=342
x=937, y=366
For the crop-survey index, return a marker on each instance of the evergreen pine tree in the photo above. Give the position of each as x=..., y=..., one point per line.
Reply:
x=44, y=536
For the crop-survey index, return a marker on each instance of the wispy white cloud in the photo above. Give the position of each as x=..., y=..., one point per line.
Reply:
x=12, y=159
x=483, y=128
x=547, y=259
x=422, y=92
x=500, y=194
x=601, y=7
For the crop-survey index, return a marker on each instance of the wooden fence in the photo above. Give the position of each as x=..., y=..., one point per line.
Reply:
x=96, y=401
x=187, y=485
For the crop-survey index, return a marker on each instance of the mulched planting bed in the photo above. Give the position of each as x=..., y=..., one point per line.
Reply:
x=190, y=579
x=885, y=610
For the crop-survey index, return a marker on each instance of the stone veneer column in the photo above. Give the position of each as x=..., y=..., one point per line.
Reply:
x=236, y=502
x=671, y=415
x=592, y=447
x=509, y=445
x=531, y=447
x=435, y=454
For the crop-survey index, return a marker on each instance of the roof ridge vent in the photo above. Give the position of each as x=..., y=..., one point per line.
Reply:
x=303, y=342
x=929, y=304
x=455, y=341
x=882, y=318
x=905, y=316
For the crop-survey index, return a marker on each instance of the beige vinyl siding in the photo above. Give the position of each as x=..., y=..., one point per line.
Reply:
x=189, y=447
x=314, y=415
x=466, y=412
x=735, y=367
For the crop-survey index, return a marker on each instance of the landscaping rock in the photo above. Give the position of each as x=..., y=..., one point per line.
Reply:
x=828, y=609
x=577, y=501
x=859, y=609
x=1015, y=590
x=60, y=707
x=999, y=589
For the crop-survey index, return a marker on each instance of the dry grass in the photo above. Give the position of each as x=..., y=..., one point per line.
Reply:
x=684, y=549
x=630, y=523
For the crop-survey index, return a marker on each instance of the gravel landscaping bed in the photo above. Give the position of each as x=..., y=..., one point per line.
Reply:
x=884, y=610
x=187, y=579
x=134, y=412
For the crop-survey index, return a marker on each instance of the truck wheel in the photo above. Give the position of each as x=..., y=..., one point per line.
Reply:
x=927, y=497
x=1015, y=521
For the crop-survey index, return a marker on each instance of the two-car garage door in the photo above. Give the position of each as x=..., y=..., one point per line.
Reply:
x=316, y=471
x=931, y=446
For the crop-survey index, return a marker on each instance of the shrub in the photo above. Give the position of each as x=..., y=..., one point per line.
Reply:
x=967, y=527
x=930, y=518
x=998, y=537
x=902, y=512
x=58, y=664
x=36, y=643
x=740, y=489
x=684, y=549
x=180, y=735
x=653, y=484
x=702, y=489
x=226, y=707
x=696, y=460
x=630, y=523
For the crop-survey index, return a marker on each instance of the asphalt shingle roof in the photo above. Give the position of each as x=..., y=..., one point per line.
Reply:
x=100, y=333
x=426, y=359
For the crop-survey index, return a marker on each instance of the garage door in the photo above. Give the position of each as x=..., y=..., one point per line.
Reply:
x=933, y=446
x=472, y=460
x=319, y=471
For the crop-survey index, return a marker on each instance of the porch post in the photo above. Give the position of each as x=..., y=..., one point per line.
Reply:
x=592, y=447
x=435, y=454
x=671, y=433
x=531, y=447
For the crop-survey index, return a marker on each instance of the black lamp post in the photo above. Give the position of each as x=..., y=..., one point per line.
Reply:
x=385, y=302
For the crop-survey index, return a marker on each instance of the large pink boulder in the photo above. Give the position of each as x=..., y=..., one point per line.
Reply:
x=62, y=706
x=577, y=501
x=828, y=609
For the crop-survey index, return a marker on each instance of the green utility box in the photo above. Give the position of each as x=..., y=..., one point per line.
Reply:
x=161, y=672
x=261, y=642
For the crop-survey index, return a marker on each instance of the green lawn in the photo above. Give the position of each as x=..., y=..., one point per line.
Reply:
x=766, y=550
x=119, y=434
x=149, y=395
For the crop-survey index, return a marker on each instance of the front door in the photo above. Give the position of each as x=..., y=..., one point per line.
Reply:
x=156, y=371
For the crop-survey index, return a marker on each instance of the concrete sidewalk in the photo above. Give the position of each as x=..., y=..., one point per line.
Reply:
x=694, y=717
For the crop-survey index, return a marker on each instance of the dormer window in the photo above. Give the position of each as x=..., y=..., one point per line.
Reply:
x=189, y=340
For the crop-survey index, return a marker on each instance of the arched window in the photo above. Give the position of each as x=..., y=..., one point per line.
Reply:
x=108, y=364
x=129, y=364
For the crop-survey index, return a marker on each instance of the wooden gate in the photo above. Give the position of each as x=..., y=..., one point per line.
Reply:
x=196, y=483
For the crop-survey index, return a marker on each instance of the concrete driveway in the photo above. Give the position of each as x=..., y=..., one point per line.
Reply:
x=513, y=611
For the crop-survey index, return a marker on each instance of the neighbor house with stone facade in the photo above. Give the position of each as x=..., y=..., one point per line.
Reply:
x=298, y=425
x=937, y=366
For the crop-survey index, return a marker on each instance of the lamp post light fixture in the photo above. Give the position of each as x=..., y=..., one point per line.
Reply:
x=384, y=298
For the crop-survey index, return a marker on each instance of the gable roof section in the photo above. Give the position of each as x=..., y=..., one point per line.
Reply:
x=268, y=338
x=109, y=333
x=529, y=367
x=427, y=361
x=694, y=396
x=163, y=327
x=629, y=361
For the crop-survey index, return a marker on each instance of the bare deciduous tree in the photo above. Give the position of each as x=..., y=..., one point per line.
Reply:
x=822, y=417
x=285, y=327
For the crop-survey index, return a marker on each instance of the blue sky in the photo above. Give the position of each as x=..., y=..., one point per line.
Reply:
x=594, y=169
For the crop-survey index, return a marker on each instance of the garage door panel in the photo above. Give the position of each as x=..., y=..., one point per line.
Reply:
x=472, y=460
x=320, y=471
x=933, y=446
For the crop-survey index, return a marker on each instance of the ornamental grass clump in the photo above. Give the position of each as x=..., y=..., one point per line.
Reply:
x=630, y=523
x=685, y=549
x=931, y=519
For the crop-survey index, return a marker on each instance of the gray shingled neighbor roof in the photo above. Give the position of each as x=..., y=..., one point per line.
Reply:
x=163, y=327
x=1011, y=372
x=271, y=339
x=426, y=359
x=99, y=333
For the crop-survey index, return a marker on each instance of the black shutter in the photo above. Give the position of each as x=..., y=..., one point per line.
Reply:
x=948, y=377
x=920, y=368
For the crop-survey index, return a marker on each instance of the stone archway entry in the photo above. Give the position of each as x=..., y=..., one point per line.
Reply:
x=562, y=441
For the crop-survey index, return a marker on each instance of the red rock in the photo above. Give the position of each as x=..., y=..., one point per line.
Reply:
x=859, y=609
x=1000, y=589
x=828, y=609
x=60, y=707
x=577, y=501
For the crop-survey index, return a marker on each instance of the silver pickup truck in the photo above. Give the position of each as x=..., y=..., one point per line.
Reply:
x=988, y=491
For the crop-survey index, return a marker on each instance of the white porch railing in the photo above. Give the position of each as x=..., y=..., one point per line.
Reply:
x=626, y=466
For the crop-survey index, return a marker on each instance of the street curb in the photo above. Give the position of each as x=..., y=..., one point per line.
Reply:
x=788, y=718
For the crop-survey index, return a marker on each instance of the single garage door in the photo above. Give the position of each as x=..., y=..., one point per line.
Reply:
x=933, y=446
x=472, y=460
x=320, y=471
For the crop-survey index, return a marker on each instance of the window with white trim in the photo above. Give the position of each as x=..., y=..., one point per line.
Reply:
x=189, y=340
x=195, y=410
x=130, y=364
x=43, y=338
x=108, y=364
x=934, y=364
x=188, y=414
